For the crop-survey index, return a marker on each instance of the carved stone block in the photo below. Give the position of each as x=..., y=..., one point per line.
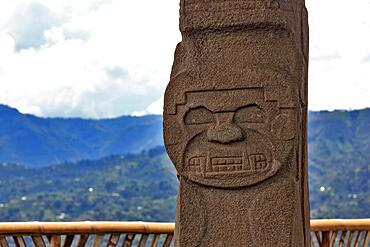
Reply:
x=235, y=123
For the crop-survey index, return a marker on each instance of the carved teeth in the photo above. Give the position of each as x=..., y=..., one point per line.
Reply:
x=258, y=161
x=227, y=164
x=231, y=168
x=195, y=161
x=251, y=163
x=195, y=164
x=227, y=161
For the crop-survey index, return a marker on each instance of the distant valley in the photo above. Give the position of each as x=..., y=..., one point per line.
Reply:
x=131, y=187
x=34, y=142
x=117, y=169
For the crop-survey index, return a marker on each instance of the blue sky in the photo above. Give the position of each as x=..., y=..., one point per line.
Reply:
x=106, y=58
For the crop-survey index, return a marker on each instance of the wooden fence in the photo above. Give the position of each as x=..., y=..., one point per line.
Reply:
x=325, y=233
x=341, y=233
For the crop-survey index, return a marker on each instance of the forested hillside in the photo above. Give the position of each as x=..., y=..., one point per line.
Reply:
x=32, y=141
x=339, y=163
x=134, y=187
x=143, y=186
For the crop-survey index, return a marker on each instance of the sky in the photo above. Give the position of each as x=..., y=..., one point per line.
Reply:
x=107, y=58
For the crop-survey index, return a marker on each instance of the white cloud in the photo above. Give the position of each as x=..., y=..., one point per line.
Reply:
x=339, y=38
x=29, y=22
x=105, y=58
x=154, y=108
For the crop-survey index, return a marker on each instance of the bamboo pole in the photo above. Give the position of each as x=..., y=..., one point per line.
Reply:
x=340, y=224
x=91, y=227
x=96, y=227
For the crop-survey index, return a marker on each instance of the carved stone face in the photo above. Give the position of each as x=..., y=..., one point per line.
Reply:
x=225, y=137
x=230, y=111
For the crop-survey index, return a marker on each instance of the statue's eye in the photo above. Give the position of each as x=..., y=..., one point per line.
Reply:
x=249, y=114
x=199, y=115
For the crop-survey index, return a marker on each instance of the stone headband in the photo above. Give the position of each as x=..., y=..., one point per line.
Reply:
x=219, y=14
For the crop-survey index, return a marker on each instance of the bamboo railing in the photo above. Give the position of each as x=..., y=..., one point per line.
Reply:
x=81, y=234
x=325, y=233
x=341, y=233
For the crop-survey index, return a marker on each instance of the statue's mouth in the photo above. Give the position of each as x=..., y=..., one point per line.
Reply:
x=253, y=163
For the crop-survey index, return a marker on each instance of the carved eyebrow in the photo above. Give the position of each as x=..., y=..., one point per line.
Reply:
x=194, y=107
x=250, y=105
x=240, y=107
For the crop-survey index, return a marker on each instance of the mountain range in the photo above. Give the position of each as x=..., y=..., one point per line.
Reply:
x=91, y=183
x=339, y=163
x=34, y=142
x=338, y=136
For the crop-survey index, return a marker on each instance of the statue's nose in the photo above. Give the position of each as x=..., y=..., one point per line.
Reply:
x=225, y=131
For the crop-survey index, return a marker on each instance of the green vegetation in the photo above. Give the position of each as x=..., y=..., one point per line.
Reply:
x=34, y=142
x=339, y=164
x=143, y=186
x=134, y=187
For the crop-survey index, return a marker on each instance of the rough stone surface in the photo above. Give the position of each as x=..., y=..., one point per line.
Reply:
x=235, y=123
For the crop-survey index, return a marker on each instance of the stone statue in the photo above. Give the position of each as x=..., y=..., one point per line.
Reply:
x=235, y=123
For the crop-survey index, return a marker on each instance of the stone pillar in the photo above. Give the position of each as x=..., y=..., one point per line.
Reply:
x=235, y=123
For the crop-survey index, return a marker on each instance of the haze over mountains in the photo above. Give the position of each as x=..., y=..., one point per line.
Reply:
x=339, y=164
x=143, y=186
x=32, y=141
